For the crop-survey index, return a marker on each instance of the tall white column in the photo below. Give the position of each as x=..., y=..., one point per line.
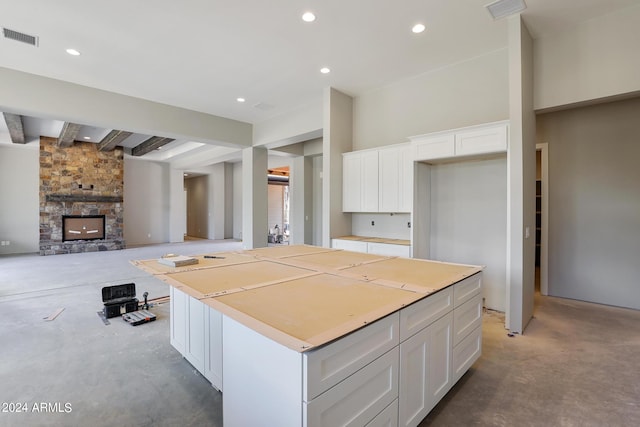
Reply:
x=254, y=197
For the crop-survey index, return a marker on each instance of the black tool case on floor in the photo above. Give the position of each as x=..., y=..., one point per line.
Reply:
x=119, y=299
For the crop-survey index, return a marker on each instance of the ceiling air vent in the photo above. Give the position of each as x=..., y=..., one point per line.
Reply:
x=21, y=37
x=502, y=8
x=263, y=106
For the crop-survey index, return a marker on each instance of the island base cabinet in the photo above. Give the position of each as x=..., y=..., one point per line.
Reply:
x=178, y=319
x=387, y=418
x=425, y=370
x=358, y=399
x=466, y=353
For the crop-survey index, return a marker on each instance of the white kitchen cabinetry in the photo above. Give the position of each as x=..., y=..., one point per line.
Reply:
x=349, y=245
x=378, y=180
x=395, y=173
x=387, y=249
x=465, y=142
x=196, y=332
x=376, y=248
x=360, y=181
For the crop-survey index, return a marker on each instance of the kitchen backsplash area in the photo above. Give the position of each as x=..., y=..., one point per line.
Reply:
x=385, y=225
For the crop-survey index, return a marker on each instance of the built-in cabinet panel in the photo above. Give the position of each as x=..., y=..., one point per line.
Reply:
x=349, y=245
x=490, y=139
x=468, y=317
x=195, y=333
x=370, y=180
x=178, y=319
x=360, y=181
x=213, y=348
x=435, y=147
x=466, y=353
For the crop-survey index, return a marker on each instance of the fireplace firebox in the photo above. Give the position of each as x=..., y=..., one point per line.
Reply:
x=83, y=227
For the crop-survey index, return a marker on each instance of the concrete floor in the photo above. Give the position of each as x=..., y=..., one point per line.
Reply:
x=576, y=365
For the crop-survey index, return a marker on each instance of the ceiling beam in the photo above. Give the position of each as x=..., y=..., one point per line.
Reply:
x=16, y=130
x=112, y=139
x=68, y=134
x=149, y=145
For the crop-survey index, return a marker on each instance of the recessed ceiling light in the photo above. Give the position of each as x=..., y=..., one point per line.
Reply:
x=87, y=137
x=418, y=28
x=308, y=17
x=325, y=70
x=186, y=174
x=240, y=99
x=73, y=52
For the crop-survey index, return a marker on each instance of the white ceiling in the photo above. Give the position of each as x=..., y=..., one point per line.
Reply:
x=203, y=54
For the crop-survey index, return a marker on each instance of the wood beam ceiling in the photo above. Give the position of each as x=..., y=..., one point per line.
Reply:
x=149, y=145
x=113, y=138
x=16, y=129
x=68, y=134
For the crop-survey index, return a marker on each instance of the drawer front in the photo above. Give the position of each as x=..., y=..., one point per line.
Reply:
x=328, y=365
x=424, y=312
x=349, y=245
x=386, y=418
x=387, y=249
x=360, y=398
x=466, y=353
x=437, y=147
x=466, y=318
x=466, y=289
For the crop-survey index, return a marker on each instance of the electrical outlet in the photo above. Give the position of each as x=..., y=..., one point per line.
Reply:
x=373, y=223
x=409, y=224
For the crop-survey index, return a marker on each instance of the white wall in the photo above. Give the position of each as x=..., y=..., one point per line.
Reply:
x=317, y=200
x=19, y=197
x=463, y=94
x=388, y=226
x=146, y=202
x=468, y=220
x=594, y=202
x=295, y=126
x=596, y=59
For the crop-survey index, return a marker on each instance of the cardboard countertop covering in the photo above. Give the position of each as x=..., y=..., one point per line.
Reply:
x=304, y=296
x=402, y=242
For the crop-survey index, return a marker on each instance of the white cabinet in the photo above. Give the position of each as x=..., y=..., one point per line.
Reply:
x=376, y=248
x=387, y=249
x=360, y=181
x=465, y=142
x=425, y=370
x=349, y=245
x=395, y=174
x=378, y=180
x=196, y=332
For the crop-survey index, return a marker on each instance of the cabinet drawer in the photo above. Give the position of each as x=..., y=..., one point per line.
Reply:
x=328, y=365
x=387, y=249
x=466, y=318
x=466, y=353
x=358, y=399
x=386, y=418
x=424, y=312
x=436, y=147
x=349, y=245
x=466, y=289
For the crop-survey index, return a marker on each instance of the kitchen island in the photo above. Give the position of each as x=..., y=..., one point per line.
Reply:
x=309, y=336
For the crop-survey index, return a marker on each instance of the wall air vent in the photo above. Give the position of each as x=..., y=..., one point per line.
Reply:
x=21, y=37
x=503, y=8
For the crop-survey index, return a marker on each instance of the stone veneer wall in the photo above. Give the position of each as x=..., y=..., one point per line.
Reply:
x=66, y=179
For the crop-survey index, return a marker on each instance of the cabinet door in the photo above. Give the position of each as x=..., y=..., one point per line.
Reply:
x=435, y=147
x=349, y=245
x=195, y=334
x=352, y=182
x=387, y=249
x=178, y=319
x=425, y=370
x=369, y=183
x=405, y=190
x=491, y=139
x=213, y=348
x=389, y=179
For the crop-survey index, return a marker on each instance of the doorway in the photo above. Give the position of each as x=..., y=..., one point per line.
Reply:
x=542, y=218
x=278, y=206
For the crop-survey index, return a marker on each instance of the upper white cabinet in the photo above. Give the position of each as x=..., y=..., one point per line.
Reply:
x=360, y=181
x=378, y=180
x=465, y=142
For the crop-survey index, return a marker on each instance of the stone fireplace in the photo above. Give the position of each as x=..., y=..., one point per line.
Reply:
x=81, y=205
